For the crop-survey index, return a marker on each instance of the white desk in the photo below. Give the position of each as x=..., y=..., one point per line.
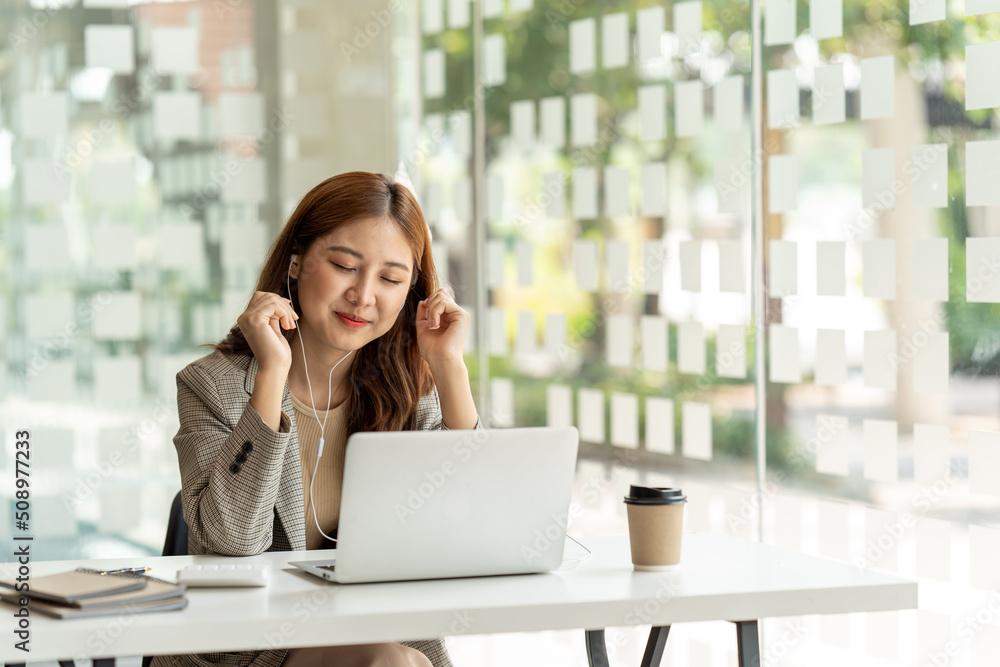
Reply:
x=721, y=578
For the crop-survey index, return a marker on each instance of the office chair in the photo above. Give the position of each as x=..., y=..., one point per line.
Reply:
x=175, y=544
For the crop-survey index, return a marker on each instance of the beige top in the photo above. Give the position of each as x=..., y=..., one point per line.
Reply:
x=330, y=474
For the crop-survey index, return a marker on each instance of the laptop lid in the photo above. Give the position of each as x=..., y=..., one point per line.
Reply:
x=441, y=504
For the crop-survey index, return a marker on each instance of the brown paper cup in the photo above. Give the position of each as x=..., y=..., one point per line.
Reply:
x=654, y=533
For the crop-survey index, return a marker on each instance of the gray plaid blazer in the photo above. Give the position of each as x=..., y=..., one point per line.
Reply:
x=242, y=482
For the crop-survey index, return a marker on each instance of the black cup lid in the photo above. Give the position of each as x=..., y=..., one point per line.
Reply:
x=654, y=495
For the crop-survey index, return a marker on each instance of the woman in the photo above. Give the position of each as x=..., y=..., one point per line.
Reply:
x=347, y=331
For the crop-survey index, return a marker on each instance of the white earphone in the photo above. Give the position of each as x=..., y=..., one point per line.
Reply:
x=319, y=452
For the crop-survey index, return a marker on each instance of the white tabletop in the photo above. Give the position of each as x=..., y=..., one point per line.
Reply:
x=720, y=578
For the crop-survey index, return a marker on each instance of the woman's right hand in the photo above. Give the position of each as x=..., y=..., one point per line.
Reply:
x=261, y=324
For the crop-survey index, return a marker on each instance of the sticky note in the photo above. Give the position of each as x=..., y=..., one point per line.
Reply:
x=244, y=244
x=614, y=40
x=624, y=420
x=653, y=180
x=555, y=336
x=248, y=185
x=689, y=105
x=779, y=22
x=524, y=252
x=783, y=268
x=878, y=175
x=181, y=245
x=783, y=183
x=931, y=453
x=618, y=260
x=690, y=255
x=687, y=26
x=881, y=462
x=41, y=183
x=619, y=341
x=119, y=512
x=984, y=545
x=731, y=267
x=976, y=7
x=460, y=126
x=788, y=522
x=926, y=11
x=496, y=252
x=691, y=348
x=880, y=359
x=433, y=74
x=492, y=8
x=984, y=462
x=497, y=337
x=582, y=46
x=878, y=87
x=461, y=199
x=590, y=415
x=875, y=522
x=783, y=356
x=982, y=164
x=833, y=537
x=494, y=60
x=114, y=247
x=730, y=184
x=696, y=430
x=659, y=425
x=494, y=195
x=526, y=341
x=933, y=548
x=559, y=405
x=982, y=270
x=458, y=14
x=432, y=16
x=833, y=440
x=831, y=357
x=731, y=351
x=829, y=96
x=653, y=259
x=177, y=115
x=831, y=279
x=501, y=402
x=649, y=24
x=522, y=124
x=553, y=122
x=653, y=332
x=826, y=18
x=110, y=46
x=57, y=383
x=431, y=198
x=439, y=254
x=554, y=183
x=44, y=114
x=929, y=172
x=727, y=104
x=931, y=369
x=120, y=318
x=117, y=381
x=51, y=517
x=583, y=119
x=585, y=265
x=175, y=49
x=652, y=102
x=879, y=262
x=46, y=247
x=616, y=191
x=584, y=193
x=782, y=98
x=112, y=182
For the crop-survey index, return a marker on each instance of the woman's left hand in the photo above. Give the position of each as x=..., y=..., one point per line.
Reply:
x=441, y=327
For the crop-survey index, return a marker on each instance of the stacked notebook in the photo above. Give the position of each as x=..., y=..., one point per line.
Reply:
x=81, y=593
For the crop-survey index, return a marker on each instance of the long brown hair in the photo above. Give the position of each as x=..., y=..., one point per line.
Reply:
x=388, y=376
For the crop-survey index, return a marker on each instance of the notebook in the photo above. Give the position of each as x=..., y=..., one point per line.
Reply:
x=62, y=611
x=69, y=587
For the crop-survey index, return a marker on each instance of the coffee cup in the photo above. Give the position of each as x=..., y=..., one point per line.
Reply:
x=655, y=523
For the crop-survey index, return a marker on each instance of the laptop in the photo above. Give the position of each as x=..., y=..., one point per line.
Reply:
x=448, y=504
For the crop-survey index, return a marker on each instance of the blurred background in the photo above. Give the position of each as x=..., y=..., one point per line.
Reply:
x=601, y=180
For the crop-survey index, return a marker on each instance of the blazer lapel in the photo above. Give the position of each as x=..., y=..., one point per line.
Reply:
x=289, y=505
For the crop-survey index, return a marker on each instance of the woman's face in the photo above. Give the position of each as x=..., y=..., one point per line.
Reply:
x=353, y=283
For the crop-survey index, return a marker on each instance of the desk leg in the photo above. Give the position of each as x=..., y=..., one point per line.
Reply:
x=597, y=652
x=748, y=643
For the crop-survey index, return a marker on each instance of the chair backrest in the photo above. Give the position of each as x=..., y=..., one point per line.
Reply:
x=176, y=543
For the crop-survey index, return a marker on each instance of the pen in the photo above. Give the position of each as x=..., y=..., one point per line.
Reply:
x=127, y=570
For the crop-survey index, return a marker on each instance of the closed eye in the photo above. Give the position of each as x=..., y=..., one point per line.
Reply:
x=345, y=268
